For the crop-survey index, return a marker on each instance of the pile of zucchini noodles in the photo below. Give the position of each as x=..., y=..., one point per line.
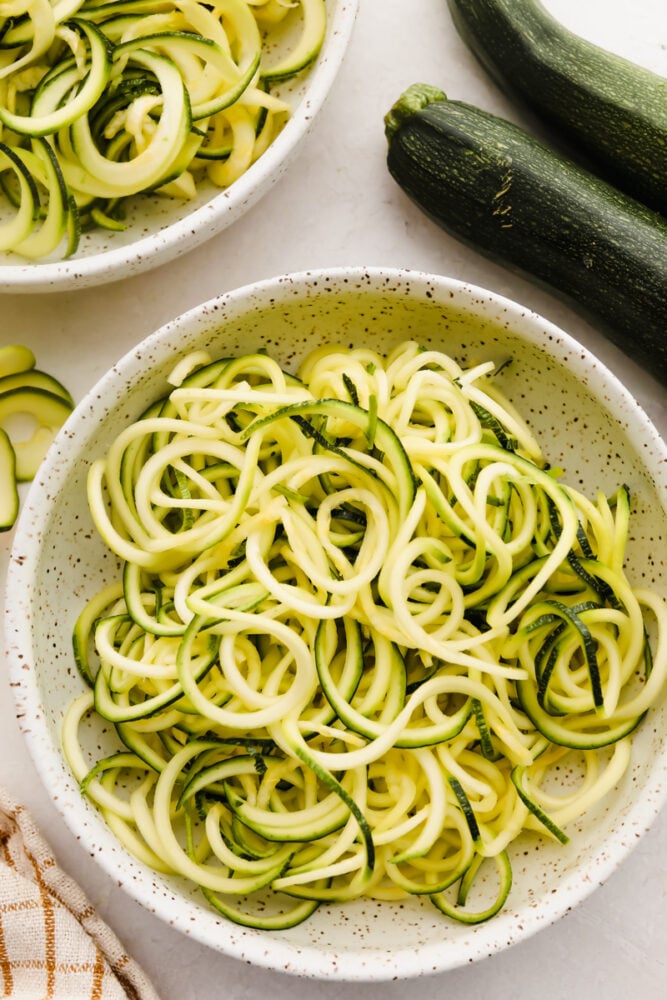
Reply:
x=360, y=627
x=101, y=100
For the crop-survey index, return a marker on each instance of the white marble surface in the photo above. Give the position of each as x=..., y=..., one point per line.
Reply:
x=338, y=205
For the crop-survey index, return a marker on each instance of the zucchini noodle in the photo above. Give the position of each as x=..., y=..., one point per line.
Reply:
x=101, y=100
x=364, y=637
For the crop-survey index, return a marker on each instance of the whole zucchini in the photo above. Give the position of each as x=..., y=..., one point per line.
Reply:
x=606, y=106
x=510, y=196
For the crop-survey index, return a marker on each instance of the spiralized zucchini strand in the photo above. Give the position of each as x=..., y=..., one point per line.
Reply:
x=133, y=99
x=364, y=639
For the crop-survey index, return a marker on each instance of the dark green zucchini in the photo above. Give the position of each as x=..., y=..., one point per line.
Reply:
x=508, y=195
x=608, y=107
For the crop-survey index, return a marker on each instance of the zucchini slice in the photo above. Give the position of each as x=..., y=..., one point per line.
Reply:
x=25, y=391
x=48, y=409
x=9, y=497
x=34, y=378
x=15, y=359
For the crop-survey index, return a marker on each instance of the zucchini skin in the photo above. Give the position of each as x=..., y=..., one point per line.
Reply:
x=508, y=195
x=607, y=107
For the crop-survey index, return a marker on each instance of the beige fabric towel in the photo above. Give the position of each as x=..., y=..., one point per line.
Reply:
x=53, y=945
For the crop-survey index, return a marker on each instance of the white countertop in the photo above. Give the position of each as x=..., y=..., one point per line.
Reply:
x=337, y=205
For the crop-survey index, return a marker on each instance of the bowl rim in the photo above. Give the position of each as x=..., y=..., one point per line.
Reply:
x=256, y=947
x=214, y=215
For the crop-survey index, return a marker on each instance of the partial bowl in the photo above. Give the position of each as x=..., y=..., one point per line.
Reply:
x=589, y=425
x=165, y=228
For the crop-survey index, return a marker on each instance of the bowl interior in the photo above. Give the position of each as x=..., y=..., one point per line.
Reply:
x=587, y=423
x=162, y=229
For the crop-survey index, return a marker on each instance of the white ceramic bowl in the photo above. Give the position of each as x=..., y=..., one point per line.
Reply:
x=588, y=423
x=166, y=228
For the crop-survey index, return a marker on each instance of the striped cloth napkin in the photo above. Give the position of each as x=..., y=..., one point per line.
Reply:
x=53, y=945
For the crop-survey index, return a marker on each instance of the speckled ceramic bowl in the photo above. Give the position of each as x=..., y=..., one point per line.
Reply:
x=165, y=228
x=588, y=424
